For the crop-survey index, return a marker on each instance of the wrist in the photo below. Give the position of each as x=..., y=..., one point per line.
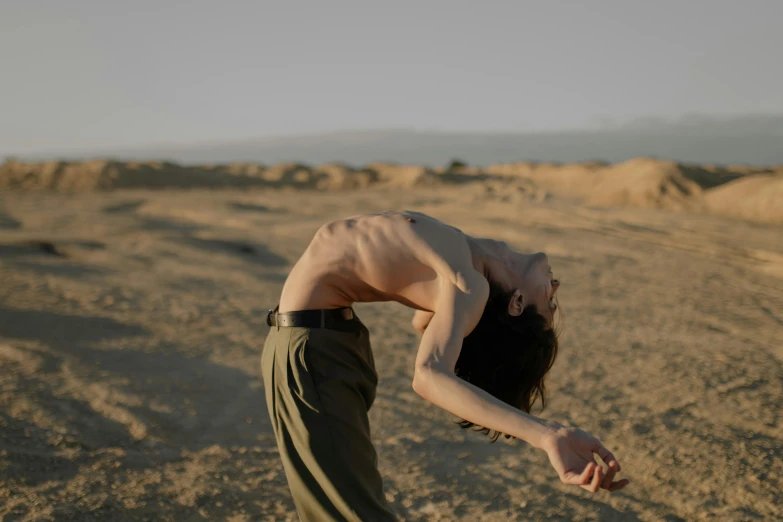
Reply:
x=539, y=433
x=550, y=438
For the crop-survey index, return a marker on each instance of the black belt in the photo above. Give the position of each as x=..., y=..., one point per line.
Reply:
x=334, y=319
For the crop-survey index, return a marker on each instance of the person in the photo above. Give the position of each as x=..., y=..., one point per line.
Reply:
x=486, y=316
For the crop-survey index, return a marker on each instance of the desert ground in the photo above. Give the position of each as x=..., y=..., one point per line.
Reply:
x=132, y=320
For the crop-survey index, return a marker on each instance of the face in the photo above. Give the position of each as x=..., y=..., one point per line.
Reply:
x=534, y=283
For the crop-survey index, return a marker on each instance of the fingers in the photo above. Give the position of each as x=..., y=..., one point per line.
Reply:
x=614, y=467
x=581, y=479
x=607, y=456
x=598, y=479
x=609, y=484
x=606, y=483
x=595, y=483
x=594, y=478
x=584, y=478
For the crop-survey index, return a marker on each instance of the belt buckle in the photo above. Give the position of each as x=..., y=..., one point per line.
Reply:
x=269, y=316
x=348, y=313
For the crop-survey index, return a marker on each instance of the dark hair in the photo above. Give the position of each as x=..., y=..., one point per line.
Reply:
x=508, y=356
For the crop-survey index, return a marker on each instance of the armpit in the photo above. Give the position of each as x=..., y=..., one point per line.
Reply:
x=421, y=319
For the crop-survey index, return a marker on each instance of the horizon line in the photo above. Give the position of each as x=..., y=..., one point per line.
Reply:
x=604, y=125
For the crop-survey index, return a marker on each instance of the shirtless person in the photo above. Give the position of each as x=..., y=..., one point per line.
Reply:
x=485, y=314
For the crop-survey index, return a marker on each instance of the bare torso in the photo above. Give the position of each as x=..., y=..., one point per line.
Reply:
x=392, y=256
x=443, y=273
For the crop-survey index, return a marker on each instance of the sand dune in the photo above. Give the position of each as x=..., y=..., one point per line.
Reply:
x=757, y=198
x=637, y=183
x=737, y=191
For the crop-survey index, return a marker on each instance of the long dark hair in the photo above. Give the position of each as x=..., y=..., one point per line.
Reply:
x=508, y=356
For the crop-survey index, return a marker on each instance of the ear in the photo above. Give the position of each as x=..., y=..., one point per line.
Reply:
x=516, y=304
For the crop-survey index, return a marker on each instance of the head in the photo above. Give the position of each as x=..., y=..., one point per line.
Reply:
x=531, y=279
x=514, y=345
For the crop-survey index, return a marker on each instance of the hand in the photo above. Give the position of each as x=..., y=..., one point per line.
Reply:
x=571, y=450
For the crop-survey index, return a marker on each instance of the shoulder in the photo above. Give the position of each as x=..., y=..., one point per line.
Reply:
x=477, y=287
x=478, y=294
x=464, y=302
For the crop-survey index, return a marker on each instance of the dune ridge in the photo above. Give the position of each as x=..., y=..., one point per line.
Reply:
x=745, y=192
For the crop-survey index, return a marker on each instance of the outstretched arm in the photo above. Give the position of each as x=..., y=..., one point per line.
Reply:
x=570, y=450
x=457, y=314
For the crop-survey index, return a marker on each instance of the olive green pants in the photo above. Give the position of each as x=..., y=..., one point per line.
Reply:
x=319, y=386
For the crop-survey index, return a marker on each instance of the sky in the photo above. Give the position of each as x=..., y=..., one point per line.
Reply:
x=92, y=74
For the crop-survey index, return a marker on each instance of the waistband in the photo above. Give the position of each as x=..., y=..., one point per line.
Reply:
x=333, y=319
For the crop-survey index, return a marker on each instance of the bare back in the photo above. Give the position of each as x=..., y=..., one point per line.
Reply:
x=392, y=256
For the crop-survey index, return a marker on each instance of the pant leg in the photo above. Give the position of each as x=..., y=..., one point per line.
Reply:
x=319, y=386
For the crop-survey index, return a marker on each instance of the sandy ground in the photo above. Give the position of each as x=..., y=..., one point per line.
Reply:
x=131, y=324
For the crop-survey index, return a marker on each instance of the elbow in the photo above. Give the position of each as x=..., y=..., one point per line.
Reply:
x=423, y=378
x=419, y=384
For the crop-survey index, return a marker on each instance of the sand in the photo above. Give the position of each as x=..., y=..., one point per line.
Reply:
x=131, y=323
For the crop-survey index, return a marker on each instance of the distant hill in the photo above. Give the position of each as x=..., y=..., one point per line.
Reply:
x=747, y=192
x=750, y=140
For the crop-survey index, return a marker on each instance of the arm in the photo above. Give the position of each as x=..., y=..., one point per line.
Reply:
x=434, y=379
x=570, y=450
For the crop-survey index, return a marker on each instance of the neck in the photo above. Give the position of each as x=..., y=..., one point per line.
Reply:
x=490, y=257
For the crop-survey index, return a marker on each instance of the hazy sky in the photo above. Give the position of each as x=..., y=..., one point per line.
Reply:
x=80, y=74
